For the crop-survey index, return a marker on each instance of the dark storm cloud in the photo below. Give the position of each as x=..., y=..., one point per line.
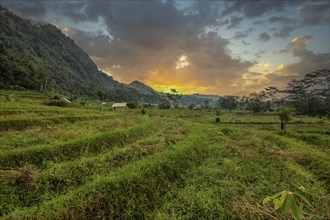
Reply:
x=264, y=37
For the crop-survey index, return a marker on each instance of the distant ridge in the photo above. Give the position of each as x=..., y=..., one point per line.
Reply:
x=142, y=88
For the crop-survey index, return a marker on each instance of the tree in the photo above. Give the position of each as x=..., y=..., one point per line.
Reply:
x=228, y=102
x=174, y=96
x=101, y=94
x=311, y=95
x=164, y=104
x=285, y=115
x=132, y=105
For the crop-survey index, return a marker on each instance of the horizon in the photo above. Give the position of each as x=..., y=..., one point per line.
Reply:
x=211, y=48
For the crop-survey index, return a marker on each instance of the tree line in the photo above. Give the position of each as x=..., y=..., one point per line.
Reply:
x=308, y=96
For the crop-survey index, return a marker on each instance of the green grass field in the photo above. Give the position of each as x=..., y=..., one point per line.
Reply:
x=78, y=162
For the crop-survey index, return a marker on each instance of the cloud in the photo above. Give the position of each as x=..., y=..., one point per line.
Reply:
x=281, y=19
x=309, y=61
x=314, y=14
x=234, y=22
x=27, y=9
x=240, y=35
x=95, y=44
x=253, y=10
x=284, y=32
x=264, y=37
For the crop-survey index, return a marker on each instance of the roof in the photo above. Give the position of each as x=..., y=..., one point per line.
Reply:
x=119, y=105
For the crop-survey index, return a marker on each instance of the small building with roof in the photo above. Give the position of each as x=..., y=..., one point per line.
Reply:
x=119, y=106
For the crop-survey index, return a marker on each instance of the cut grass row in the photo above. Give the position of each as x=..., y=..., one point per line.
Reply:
x=239, y=173
x=132, y=192
x=40, y=155
x=24, y=123
x=60, y=133
x=59, y=178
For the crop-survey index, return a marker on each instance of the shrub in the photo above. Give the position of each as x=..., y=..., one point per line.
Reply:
x=10, y=97
x=287, y=202
x=132, y=105
x=285, y=115
x=59, y=103
x=143, y=112
x=217, y=120
x=164, y=105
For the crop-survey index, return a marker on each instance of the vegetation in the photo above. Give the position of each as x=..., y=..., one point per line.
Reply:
x=76, y=162
x=285, y=115
x=308, y=96
x=288, y=202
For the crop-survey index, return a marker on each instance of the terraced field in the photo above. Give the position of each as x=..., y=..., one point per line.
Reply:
x=79, y=162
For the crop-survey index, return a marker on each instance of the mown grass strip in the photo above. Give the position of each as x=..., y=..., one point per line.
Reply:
x=133, y=192
x=39, y=155
x=24, y=123
x=59, y=178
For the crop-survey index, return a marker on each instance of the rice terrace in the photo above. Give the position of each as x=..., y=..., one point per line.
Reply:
x=164, y=110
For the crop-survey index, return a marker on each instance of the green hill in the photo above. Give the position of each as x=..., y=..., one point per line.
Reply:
x=41, y=57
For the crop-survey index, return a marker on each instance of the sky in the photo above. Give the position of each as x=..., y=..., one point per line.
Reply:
x=208, y=47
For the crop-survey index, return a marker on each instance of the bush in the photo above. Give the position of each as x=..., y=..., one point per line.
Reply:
x=59, y=103
x=217, y=120
x=143, y=112
x=132, y=105
x=164, y=105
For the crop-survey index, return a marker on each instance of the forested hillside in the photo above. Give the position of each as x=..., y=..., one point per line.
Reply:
x=41, y=57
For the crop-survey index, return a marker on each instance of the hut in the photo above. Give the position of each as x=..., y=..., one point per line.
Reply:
x=119, y=106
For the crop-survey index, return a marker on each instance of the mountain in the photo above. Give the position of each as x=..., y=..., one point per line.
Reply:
x=41, y=57
x=142, y=88
x=199, y=99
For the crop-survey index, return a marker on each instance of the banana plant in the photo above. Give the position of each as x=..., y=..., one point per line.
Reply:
x=287, y=201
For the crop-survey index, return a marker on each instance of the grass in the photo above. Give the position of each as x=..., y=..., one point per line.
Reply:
x=77, y=162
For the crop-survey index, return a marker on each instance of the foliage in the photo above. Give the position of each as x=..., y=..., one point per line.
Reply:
x=143, y=112
x=287, y=201
x=60, y=103
x=191, y=106
x=9, y=97
x=285, y=114
x=133, y=104
x=228, y=102
x=102, y=95
x=217, y=120
x=174, y=96
x=164, y=105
